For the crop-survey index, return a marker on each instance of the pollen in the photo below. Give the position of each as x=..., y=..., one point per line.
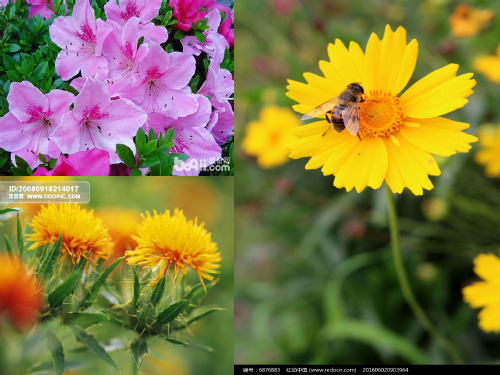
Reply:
x=381, y=115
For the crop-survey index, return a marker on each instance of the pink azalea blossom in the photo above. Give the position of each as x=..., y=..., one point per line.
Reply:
x=81, y=38
x=162, y=81
x=219, y=86
x=190, y=137
x=41, y=7
x=145, y=10
x=187, y=12
x=225, y=27
x=96, y=121
x=120, y=49
x=27, y=129
x=94, y=162
x=215, y=44
x=3, y=3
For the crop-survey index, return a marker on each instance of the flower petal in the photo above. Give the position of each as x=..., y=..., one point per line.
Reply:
x=409, y=167
x=482, y=293
x=487, y=267
x=438, y=93
x=26, y=102
x=12, y=135
x=343, y=67
x=489, y=318
x=439, y=136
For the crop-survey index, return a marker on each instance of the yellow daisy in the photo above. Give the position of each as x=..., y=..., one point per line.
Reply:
x=468, y=21
x=486, y=294
x=82, y=232
x=489, y=66
x=268, y=138
x=165, y=239
x=398, y=133
x=489, y=154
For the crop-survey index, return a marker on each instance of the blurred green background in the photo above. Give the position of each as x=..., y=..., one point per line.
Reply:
x=211, y=200
x=315, y=279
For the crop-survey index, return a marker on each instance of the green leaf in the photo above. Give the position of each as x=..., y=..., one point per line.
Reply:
x=84, y=320
x=140, y=41
x=135, y=172
x=170, y=313
x=139, y=348
x=5, y=210
x=200, y=36
x=158, y=292
x=179, y=34
x=140, y=141
x=92, y=293
x=14, y=48
x=203, y=315
x=137, y=290
x=40, y=69
x=175, y=341
x=149, y=147
x=151, y=134
x=91, y=343
x=7, y=244
x=56, y=348
x=8, y=62
x=20, y=241
x=47, y=268
x=21, y=163
x=126, y=155
x=57, y=297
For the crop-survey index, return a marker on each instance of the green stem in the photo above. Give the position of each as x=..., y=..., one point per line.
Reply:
x=405, y=285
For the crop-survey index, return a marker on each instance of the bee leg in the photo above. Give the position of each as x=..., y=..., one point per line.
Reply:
x=358, y=136
x=329, y=121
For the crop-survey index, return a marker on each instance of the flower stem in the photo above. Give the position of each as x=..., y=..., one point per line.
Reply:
x=405, y=285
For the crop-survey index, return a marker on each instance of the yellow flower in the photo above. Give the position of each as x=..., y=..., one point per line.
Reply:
x=20, y=293
x=398, y=133
x=468, y=21
x=268, y=137
x=82, y=232
x=489, y=66
x=489, y=154
x=486, y=294
x=165, y=239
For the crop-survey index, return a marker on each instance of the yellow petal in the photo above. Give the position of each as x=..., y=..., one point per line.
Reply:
x=481, y=294
x=487, y=267
x=307, y=94
x=372, y=64
x=340, y=153
x=342, y=68
x=439, y=136
x=434, y=95
x=409, y=167
x=489, y=318
x=315, y=142
x=407, y=67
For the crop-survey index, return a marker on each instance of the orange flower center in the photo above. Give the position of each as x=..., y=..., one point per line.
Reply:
x=380, y=115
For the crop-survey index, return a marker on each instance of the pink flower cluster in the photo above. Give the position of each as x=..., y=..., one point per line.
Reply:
x=123, y=85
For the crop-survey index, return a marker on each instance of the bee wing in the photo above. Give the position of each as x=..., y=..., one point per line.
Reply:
x=350, y=115
x=320, y=109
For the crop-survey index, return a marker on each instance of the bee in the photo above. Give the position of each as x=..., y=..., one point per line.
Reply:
x=341, y=112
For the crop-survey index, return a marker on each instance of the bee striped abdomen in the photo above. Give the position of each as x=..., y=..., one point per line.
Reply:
x=337, y=115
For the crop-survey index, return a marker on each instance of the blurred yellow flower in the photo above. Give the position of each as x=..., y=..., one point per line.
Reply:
x=268, y=137
x=398, y=133
x=121, y=225
x=165, y=239
x=20, y=293
x=486, y=294
x=82, y=232
x=468, y=21
x=489, y=153
x=489, y=66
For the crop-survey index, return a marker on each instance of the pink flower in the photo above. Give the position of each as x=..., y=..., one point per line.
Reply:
x=145, y=10
x=219, y=86
x=41, y=7
x=225, y=27
x=81, y=38
x=3, y=3
x=190, y=137
x=162, y=81
x=215, y=44
x=120, y=49
x=27, y=129
x=94, y=162
x=96, y=121
x=187, y=12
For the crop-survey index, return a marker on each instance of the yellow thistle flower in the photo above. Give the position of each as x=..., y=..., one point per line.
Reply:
x=398, y=133
x=268, y=137
x=486, y=294
x=489, y=154
x=489, y=66
x=20, y=293
x=165, y=239
x=82, y=232
x=468, y=21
